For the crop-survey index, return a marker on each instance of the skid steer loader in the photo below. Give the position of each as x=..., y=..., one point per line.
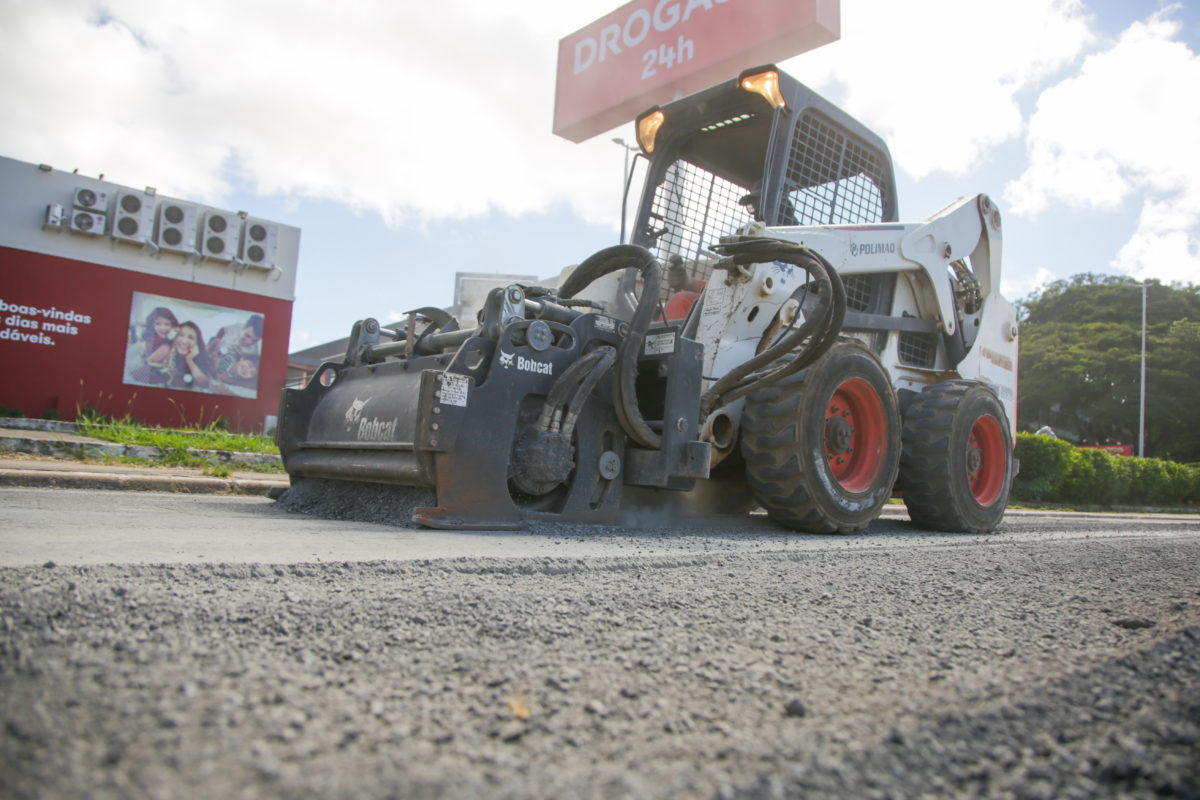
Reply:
x=825, y=355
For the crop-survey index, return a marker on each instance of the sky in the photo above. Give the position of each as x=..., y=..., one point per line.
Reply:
x=411, y=141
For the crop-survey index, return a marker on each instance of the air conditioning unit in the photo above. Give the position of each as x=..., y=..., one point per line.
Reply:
x=219, y=235
x=87, y=222
x=90, y=199
x=260, y=240
x=176, y=230
x=133, y=219
x=55, y=217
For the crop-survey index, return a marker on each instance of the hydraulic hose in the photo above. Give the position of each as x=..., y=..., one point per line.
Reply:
x=602, y=263
x=804, y=344
x=575, y=406
x=579, y=372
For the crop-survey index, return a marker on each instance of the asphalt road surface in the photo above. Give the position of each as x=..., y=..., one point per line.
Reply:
x=174, y=646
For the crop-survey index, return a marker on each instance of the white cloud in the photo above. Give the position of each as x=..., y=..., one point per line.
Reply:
x=422, y=112
x=1166, y=244
x=1124, y=129
x=1015, y=287
x=939, y=79
x=442, y=110
x=416, y=111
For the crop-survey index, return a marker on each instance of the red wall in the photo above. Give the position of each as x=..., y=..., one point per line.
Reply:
x=86, y=368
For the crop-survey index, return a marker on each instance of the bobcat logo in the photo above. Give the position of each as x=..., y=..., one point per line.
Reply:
x=354, y=412
x=524, y=364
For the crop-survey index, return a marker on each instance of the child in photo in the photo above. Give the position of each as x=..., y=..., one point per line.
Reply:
x=158, y=334
x=238, y=370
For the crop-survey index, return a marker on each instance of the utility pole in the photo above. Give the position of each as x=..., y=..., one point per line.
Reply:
x=1142, y=406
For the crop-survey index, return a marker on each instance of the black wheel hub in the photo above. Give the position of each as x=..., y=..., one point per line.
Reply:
x=974, y=460
x=838, y=435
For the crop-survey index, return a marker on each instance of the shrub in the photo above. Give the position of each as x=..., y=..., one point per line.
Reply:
x=1099, y=477
x=1044, y=463
x=1055, y=471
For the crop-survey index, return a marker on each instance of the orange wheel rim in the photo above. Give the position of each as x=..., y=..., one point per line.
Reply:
x=855, y=435
x=986, y=460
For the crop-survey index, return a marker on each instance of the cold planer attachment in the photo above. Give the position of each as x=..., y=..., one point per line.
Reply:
x=541, y=412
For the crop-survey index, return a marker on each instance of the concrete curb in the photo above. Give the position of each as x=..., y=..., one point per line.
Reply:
x=81, y=478
x=59, y=439
x=62, y=442
x=61, y=448
x=30, y=424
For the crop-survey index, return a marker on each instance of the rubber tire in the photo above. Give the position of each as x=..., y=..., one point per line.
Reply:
x=784, y=443
x=935, y=465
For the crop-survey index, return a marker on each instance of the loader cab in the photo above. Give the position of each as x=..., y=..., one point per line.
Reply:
x=762, y=147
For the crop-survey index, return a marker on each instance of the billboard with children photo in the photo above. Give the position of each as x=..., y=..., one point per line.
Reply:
x=181, y=344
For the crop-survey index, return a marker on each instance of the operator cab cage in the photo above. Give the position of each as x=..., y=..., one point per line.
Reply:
x=764, y=147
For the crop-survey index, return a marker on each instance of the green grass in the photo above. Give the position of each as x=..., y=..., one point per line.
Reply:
x=172, y=439
x=176, y=446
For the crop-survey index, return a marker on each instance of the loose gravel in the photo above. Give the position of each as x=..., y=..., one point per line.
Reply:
x=993, y=669
x=363, y=502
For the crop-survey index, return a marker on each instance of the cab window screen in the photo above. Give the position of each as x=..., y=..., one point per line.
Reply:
x=832, y=178
x=692, y=209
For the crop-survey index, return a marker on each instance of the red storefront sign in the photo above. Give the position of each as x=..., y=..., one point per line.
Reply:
x=1112, y=449
x=649, y=52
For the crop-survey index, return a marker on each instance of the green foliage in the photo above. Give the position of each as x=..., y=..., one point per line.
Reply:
x=1080, y=363
x=1057, y=472
x=169, y=440
x=218, y=470
x=1044, y=462
x=11, y=411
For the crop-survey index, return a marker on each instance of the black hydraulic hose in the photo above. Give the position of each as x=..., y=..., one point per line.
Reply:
x=575, y=406
x=817, y=349
x=832, y=332
x=820, y=329
x=602, y=263
x=828, y=323
x=561, y=390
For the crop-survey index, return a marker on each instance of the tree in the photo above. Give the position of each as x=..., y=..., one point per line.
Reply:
x=1080, y=364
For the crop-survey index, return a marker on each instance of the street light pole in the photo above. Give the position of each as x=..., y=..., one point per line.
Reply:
x=625, y=176
x=1142, y=406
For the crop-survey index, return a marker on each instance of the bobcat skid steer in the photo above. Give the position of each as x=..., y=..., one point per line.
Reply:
x=823, y=357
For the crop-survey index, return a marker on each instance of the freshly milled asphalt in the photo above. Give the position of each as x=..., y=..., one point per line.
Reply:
x=1054, y=658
